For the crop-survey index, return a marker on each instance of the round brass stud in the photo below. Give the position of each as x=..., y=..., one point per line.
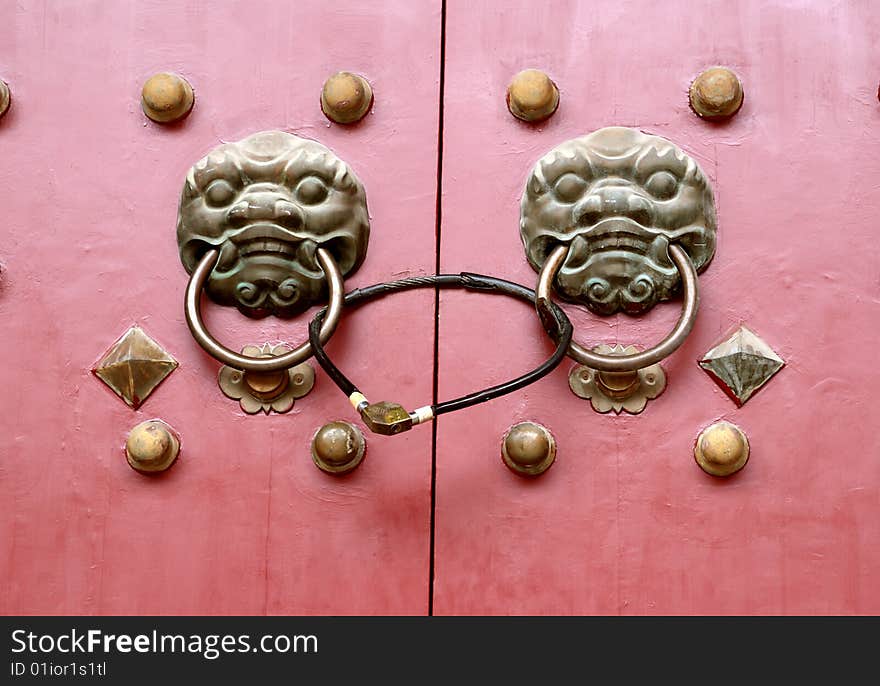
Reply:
x=346, y=97
x=152, y=447
x=722, y=449
x=532, y=96
x=5, y=97
x=166, y=98
x=338, y=447
x=716, y=93
x=528, y=449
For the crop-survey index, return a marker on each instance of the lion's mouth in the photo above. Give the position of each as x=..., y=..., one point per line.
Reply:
x=617, y=235
x=621, y=234
x=264, y=240
x=620, y=264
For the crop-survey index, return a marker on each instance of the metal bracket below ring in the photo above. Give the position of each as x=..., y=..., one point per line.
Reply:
x=617, y=391
x=266, y=391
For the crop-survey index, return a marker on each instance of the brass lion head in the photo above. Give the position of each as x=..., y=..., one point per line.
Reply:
x=617, y=198
x=266, y=203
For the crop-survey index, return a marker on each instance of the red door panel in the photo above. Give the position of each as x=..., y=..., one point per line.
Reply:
x=625, y=521
x=244, y=522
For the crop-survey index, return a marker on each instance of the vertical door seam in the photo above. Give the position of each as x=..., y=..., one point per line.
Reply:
x=438, y=215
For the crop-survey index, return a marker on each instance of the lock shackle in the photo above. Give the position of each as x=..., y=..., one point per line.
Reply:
x=245, y=363
x=645, y=358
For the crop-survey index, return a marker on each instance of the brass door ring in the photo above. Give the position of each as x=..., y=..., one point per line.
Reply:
x=645, y=358
x=192, y=307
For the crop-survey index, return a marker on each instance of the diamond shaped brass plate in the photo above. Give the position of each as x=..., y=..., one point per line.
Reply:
x=134, y=366
x=741, y=364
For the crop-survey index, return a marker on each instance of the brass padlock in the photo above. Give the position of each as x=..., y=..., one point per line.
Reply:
x=386, y=418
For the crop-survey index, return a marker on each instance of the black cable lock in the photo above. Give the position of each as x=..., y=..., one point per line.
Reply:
x=390, y=418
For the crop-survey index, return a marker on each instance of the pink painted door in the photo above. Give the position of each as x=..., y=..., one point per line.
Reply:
x=243, y=522
x=625, y=522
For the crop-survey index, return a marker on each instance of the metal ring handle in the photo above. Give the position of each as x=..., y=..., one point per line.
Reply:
x=192, y=307
x=630, y=363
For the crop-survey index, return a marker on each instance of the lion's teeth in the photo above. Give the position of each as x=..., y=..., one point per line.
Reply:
x=659, y=250
x=228, y=254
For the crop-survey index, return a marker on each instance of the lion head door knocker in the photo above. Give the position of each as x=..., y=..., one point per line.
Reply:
x=618, y=220
x=270, y=224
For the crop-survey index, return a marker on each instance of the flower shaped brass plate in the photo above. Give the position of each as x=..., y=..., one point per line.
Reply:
x=618, y=391
x=268, y=391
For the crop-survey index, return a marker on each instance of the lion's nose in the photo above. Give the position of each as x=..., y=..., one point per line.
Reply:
x=256, y=207
x=612, y=202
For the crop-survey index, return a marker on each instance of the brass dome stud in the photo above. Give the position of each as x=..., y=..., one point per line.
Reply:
x=528, y=449
x=721, y=449
x=151, y=447
x=5, y=97
x=716, y=93
x=532, y=96
x=166, y=98
x=346, y=97
x=338, y=447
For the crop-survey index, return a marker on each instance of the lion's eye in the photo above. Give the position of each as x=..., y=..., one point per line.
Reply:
x=570, y=187
x=311, y=190
x=661, y=185
x=219, y=193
